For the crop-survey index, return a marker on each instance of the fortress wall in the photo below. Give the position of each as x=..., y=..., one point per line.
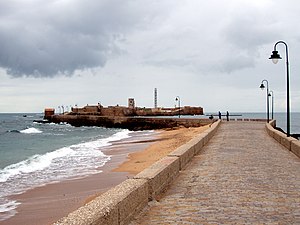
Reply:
x=131, y=123
x=119, y=205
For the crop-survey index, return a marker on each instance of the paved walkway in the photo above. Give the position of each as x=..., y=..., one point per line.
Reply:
x=242, y=176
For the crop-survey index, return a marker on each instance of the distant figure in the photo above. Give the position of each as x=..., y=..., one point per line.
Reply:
x=220, y=115
x=227, y=116
x=211, y=117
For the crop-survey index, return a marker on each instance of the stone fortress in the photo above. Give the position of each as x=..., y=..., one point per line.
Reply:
x=130, y=110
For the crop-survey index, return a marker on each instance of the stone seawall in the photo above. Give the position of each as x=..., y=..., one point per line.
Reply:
x=292, y=144
x=119, y=205
x=131, y=123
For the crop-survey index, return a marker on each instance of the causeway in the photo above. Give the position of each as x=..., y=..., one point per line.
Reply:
x=242, y=176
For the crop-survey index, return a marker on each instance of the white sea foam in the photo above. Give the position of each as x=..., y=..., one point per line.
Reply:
x=7, y=209
x=69, y=162
x=34, y=163
x=31, y=130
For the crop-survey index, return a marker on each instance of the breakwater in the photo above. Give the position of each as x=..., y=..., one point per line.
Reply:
x=121, y=203
x=131, y=123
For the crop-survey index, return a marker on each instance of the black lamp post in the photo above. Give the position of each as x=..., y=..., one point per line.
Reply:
x=262, y=86
x=178, y=99
x=272, y=112
x=275, y=56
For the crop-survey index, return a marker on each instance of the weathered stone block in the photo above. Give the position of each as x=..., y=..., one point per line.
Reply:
x=295, y=147
x=160, y=175
x=204, y=136
x=116, y=206
x=198, y=143
x=133, y=196
x=286, y=141
x=270, y=129
x=277, y=135
x=185, y=153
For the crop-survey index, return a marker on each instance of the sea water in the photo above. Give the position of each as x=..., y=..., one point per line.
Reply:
x=280, y=118
x=35, y=154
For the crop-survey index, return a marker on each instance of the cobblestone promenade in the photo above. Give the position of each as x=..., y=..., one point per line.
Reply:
x=242, y=176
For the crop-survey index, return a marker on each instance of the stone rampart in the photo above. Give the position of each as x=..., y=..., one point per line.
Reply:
x=292, y=144
x=119, y=205
x=131, y=123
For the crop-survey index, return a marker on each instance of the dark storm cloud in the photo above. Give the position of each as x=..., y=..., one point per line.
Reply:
x=39, y=38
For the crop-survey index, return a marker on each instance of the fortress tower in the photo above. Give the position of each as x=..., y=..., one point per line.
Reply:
x=131, y=103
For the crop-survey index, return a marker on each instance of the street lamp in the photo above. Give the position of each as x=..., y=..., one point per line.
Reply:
x=272, y=113
x=262, y=87
x=178, y=99
x=275, y=56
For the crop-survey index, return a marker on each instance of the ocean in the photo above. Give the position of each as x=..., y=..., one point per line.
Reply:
x=34, y=154
x=280, y=120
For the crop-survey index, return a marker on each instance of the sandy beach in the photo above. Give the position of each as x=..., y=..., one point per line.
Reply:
x=169, y=140
x=47, y=204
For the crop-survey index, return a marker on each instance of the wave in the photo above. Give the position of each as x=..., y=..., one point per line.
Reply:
x=34, y=163
x=69, y=162
x=31, y=130
x=8, y=209
x=40, y=162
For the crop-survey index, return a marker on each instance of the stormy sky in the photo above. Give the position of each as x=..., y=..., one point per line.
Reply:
x=212, y=54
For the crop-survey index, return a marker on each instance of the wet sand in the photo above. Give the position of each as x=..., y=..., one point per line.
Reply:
x=47, y=204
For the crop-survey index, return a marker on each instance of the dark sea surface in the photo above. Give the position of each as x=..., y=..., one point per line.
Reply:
x=34, y=154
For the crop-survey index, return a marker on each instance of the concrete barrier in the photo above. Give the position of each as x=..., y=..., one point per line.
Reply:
x=160, y=175
x=286, y=141
x=185, y=153
x=270, y=129
x=198, y=143
x=277, y=135
x=116, y=206
x=295, y=148
x=292, y=144
x=119, y=204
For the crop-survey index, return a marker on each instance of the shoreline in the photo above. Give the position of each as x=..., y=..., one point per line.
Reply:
x=51, y=202
x=168, y=142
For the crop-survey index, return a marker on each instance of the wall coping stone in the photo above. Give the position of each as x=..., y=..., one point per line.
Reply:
x=290, y=143
x=119, y=204
x=109, y=208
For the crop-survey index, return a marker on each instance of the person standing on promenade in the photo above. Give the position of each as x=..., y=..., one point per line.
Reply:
x=227, y=116
x=220, y=115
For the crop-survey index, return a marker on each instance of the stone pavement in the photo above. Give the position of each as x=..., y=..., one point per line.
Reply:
x=242, y=176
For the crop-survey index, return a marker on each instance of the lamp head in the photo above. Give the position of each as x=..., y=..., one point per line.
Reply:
x=262, y=86
x=275, y=56
x=269, y=95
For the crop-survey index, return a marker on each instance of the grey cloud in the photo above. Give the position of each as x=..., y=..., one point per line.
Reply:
x=202, y=42
x=60, y=37
x=246, y=33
